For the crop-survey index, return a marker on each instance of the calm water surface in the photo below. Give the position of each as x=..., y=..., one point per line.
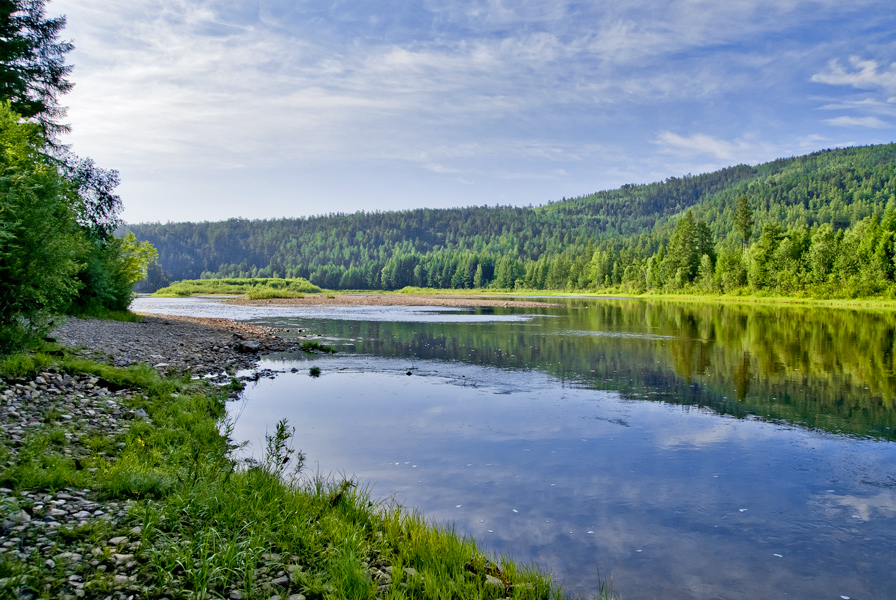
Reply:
x=686, y=450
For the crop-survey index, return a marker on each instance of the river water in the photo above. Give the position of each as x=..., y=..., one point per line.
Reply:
x=682, y=450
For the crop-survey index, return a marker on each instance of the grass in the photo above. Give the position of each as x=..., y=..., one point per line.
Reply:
x=263, y=289
x=109, y=315
x=253, y=288
x=742, y=296
x=317, y=347
x=210, y=526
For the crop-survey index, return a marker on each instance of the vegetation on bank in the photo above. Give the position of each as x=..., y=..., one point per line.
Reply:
x=210, y=526
x=253, y=288
x=821, y=225
x=58, y=211
x=741, y=296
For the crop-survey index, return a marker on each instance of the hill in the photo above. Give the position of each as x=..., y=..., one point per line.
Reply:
x=805, y=214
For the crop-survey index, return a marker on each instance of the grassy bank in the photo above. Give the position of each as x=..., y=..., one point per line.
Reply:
x=207, y=527
x=873, y=303
x=254, y=288
x=261, y=289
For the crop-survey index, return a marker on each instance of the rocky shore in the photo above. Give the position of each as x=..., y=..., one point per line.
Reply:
x=84, y=409
x=67, y=541
x=201, y=346
x=75, y=533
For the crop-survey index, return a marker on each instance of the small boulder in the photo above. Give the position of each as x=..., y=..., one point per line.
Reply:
x=493, y=582
x=248, y=346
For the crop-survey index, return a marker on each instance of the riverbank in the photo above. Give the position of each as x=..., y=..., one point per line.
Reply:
x=517, y=298
x=117, y=482
x=869, y=303
x=376, y=299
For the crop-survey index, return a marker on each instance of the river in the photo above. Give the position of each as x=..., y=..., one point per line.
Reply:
x=680, y=450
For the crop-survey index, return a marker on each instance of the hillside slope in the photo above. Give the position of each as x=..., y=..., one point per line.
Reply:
x=508, y=246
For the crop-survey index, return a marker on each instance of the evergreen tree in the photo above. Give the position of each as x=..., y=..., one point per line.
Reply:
x=743, y=220
x=33, y=69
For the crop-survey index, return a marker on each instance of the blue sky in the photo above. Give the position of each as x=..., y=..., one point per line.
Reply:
x=280, y=108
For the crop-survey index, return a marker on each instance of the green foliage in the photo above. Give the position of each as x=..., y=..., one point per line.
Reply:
x=40, y=242
x=743, y=219
x=112, y=266
x=211, y=527
x=32, y=62
x=57, y=210
x=253, y=288
x=638, y=238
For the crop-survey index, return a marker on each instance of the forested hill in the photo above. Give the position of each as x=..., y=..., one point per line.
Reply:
x=624, y=237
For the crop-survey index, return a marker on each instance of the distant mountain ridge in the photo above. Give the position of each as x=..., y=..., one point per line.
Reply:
x=446, y=247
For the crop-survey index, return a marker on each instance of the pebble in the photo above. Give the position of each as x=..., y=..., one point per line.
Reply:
x=88, y=407
x=204, y=347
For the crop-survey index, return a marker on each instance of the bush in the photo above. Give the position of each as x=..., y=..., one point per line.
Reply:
x=41, y=244
x=112, y=266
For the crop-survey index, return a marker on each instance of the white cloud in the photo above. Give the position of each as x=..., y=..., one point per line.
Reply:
x=864, y=74
x=866, y=105
x=872, y=122
x=480, y=89
x=699, y=144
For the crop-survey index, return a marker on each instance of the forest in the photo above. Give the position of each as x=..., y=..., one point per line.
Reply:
x=823, y=224
x=59, y=253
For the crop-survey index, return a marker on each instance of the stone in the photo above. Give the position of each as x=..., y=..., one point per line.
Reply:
x=248, y=346
x=20, y=518
x=494, y=582
x=117, y=541
x=281, y=581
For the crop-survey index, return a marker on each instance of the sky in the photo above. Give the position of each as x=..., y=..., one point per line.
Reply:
x=213, y=109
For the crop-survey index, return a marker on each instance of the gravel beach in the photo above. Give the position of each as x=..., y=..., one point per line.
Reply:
x=87, y=408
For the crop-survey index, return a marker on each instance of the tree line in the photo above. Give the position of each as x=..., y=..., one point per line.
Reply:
x=816, y=224
x=58, y=211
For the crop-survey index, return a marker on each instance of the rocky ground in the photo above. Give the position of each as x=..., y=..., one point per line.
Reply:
x=84, y=545
x=92, y=542
x=84, y=409
x=201, y=346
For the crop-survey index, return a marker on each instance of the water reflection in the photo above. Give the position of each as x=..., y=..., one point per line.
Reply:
x=673, y=501
x=822, y=368
x=691, y=451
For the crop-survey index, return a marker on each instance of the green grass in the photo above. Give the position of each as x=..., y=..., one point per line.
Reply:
x=742, y=296
x=253, y=288
x=109, y=315
x=270, y=293
x=312, y=347
x=211, y=527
